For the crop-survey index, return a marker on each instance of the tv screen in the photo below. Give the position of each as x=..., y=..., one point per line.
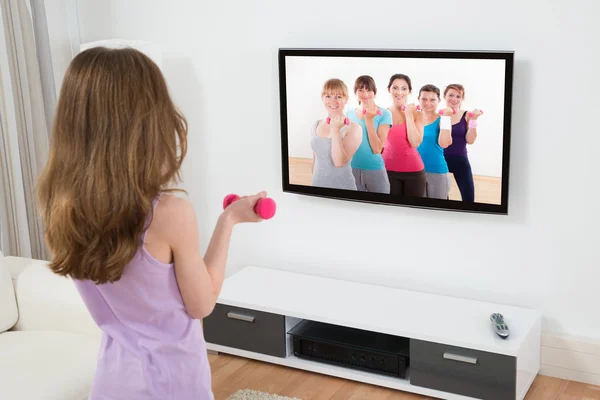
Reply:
x=400, y=127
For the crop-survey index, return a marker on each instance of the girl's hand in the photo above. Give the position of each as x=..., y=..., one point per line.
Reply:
x=448, y=111
x=475, y=114
x=242, y=210
x=372, y=111
x=409, y=110
x=337, y=122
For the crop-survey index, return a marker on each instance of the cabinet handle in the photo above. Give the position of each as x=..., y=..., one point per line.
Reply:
x=456, y=357
x=241, y=317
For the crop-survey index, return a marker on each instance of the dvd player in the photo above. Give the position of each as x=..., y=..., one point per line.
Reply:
x=353, y=348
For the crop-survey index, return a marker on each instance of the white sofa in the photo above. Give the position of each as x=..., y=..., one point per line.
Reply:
x=48, y=341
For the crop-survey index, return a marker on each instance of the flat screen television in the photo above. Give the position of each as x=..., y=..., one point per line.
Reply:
x=418, y=128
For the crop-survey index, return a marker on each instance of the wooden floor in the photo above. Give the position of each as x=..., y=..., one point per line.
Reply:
x=487, y=189
x=232, y=373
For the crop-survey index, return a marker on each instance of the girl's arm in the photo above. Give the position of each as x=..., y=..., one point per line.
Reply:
x=445, y=136
x=414, y=128
x=338, y=153
x=471, y=135
x=200, y=280
x=384, y=127
x=472, y=130
x=352, y=141
x=374, y=136
x=377, y=137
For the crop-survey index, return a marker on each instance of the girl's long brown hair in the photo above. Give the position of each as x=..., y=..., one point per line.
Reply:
x=117, y=141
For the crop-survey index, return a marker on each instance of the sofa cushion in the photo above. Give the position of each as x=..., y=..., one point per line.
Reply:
x=8, y=304
x=16, y=265
x=47, y=300
x=47, y=365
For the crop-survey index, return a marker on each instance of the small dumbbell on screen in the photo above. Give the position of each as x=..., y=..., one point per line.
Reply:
x=441, y=112
x=346, y=121
x=379, y=112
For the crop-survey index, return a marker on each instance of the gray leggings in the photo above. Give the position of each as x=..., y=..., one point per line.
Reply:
x=371, y=180
x=437, y=186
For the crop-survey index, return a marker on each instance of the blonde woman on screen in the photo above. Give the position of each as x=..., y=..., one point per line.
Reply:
x=334, y=140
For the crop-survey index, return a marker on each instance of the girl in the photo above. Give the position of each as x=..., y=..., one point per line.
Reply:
x=367, y=164
x=435, y=140
x=464, y=131
x=403, y=163
x=133, y=254
x=334, y=143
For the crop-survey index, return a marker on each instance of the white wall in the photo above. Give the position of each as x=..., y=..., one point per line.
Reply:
x=484, y=89
x=221, y=63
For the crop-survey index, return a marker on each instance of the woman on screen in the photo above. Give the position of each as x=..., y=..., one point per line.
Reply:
x=464, y=132
x=367, y=164
x=434, y=141
x=403, y=163
x=333, y=142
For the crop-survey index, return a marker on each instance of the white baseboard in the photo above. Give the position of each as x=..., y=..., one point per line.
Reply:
x=570, y=357
x=569, y=374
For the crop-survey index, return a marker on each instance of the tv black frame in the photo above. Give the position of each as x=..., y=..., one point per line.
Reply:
x=386, y=199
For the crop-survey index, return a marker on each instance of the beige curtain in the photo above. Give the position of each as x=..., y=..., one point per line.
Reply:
x=27, y=101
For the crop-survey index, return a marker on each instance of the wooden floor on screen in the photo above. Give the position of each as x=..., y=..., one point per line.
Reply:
x=487, y=189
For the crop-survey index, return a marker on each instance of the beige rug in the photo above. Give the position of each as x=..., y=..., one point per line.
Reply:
x=256, y=395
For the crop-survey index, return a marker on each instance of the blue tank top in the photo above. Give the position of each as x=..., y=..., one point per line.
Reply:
x=152, y=349
x=364, y=157
x=431, y=152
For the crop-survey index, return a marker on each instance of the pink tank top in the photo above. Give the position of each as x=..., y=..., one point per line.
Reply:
x=151, y=349
x=398, y=155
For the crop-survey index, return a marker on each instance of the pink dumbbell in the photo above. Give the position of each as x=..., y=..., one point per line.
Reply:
x=471, y=113
x=379, y=112
x=441, y=112
x=346, y=120
x=418, y=107
x=265, y=208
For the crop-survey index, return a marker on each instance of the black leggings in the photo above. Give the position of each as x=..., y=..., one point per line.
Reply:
x=407, y=183
x=460, y=167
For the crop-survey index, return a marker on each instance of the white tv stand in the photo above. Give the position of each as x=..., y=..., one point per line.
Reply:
x=454, y=352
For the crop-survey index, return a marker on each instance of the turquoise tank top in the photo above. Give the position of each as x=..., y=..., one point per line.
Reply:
x=364, y=157
x=431, y=152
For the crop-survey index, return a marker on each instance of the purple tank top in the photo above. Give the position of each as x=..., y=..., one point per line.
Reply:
x=151, y=348
x=459, y=138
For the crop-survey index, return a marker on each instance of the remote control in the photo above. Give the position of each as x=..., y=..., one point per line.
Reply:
x=499, y=325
